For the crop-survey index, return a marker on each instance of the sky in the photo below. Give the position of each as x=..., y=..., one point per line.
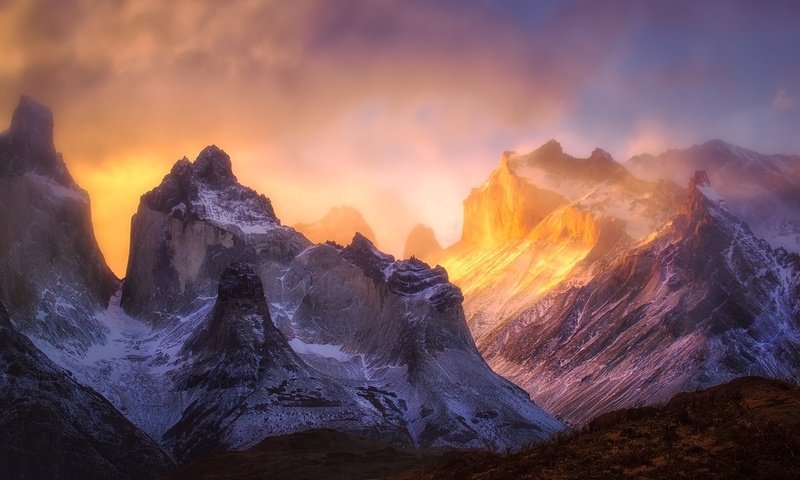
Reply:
x=396, y=107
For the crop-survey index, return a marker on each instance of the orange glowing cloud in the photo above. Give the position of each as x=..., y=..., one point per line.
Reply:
x=394, y=107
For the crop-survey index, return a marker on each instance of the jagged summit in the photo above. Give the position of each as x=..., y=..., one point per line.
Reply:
x=403, y=277
x=363, y=253
x=214, y=167
x=27, y=146
x=208, y=190
x=598, y=154
x=762, y=190
x=550, y=148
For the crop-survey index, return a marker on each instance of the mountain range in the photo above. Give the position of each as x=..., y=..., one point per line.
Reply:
x=595, y=290
x=584, y=284
x=230, y=327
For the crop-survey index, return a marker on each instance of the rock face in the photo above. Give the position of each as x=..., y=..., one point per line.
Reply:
x=247, y=383
x=701, y=302
x=53, y=278
x=190, y=228
x=338, y=225
x=53, y=427
x=421, y=243
x=762, y=190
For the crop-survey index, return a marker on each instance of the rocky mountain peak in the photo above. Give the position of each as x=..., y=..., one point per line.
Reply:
x=362, y=253
x=208, y=190
x=27, y=146
x=33, y=122
x=239, y=315
x=700, y=194
x=551, y=148
x=213, y=166
x=240, y=281
x=403, y=277
x=598, y=154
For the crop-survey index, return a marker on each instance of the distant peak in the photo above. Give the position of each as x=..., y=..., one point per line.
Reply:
x=552, y=147
x=33, y=118
x=32, y=126
x=30, y=143
x=600, y=154
x=213, y=165
x=716, y=142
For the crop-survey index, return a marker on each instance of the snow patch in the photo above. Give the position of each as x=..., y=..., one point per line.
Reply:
x=334, y=352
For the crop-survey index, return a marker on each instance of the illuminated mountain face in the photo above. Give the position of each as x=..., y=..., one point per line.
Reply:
x=545, y=220
x=625, y=292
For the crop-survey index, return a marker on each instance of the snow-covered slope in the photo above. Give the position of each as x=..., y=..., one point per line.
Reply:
x=53, y=277
x=53, y=427
x=698, y=303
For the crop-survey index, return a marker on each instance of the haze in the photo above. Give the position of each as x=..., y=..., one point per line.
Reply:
x=397, y=108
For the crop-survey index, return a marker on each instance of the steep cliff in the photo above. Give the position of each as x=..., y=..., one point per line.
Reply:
x=190, y=228
x=544, y=221
x=699, y=303
x=53, y=277
x=53, y=427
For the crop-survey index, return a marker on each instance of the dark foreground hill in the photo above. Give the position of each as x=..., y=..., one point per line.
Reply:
x=745, y=429
x=314, y=454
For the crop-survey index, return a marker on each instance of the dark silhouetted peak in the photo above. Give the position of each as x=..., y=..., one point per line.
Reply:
x=551, y=148
x=27, y=146
x=362, y=253
x=239, y=280
x=699, y=179
x=213, y=166
x=598, y=154
x=239, y=317
x=33, y=122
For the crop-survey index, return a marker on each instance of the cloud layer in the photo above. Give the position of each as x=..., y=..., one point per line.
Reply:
x=395, y=107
